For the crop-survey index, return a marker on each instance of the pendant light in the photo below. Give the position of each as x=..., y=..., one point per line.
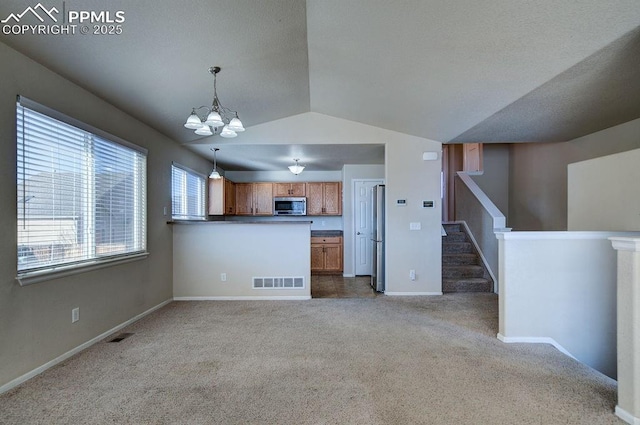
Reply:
x=296, y=168
x=214, y=173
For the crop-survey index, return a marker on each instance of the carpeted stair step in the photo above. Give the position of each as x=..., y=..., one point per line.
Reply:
x=459, y=259
x=455, y=237
x=452, y=228
x=462, y=272
x=457, y=248
x=476, y=284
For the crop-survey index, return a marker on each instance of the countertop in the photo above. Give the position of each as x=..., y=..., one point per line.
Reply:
x=325, y=233
x=218, y=222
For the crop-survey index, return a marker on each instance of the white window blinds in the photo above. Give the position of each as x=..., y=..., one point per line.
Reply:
x=81, y=197
x=187, y=194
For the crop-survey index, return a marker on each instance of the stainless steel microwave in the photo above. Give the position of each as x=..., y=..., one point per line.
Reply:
x=289, y=205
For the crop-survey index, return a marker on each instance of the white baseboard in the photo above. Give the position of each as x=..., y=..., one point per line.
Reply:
x=248, y=298
x=626, y=416
x=404, y=294
x=348, y=275
x=19, y=380
x=534, y=340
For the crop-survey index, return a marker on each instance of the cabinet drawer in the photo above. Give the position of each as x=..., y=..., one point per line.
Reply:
x=325, y=240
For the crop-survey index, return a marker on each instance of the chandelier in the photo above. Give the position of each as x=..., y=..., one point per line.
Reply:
x=215, y=116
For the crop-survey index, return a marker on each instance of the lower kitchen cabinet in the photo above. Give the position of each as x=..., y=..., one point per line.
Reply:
x=326, y=255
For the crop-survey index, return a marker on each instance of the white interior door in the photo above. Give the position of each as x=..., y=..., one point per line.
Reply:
x=362, y=225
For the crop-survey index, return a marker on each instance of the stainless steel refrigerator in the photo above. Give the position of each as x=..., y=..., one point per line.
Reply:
x=377, y=264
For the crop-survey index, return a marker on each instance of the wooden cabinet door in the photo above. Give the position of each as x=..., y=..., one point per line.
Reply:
x=332, y=198
x=229, y=197
x=244, y=199
x=317, y=257
x=298, y=189
x=288, y=189
x=263, y=198
x=315, y=195
x=333, y=257
x=282, y=189
x=216, y=197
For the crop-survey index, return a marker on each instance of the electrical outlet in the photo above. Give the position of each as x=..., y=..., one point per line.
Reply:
x=223, y=277
x=412, y=274
x=75, y=315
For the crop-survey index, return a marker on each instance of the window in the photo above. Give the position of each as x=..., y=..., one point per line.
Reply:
x=81, y=194
x=187, y=194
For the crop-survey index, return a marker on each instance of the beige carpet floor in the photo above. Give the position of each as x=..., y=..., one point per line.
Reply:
x=382, y=360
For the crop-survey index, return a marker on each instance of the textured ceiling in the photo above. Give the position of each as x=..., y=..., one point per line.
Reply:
x=462, y=70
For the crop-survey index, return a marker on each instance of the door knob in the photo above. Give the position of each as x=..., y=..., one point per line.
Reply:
x=358, y=233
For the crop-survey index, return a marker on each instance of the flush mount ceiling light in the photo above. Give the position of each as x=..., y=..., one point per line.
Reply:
x=214, y=173
x=215, y=116
x=297, y=168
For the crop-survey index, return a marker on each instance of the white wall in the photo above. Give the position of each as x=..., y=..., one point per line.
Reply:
x=407, y=177
x=203, y=251
x=560, y=288
x=604, y=193
x=35, y=321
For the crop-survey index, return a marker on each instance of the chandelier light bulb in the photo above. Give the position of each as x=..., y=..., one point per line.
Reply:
x=193, y=122
x=236, y=125
x=214, y=119
x=227, y=132
x=204, y=131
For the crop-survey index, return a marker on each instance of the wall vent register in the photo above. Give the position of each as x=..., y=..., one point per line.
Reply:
x=278, y=282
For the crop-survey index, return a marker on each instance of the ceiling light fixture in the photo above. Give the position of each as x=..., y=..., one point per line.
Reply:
x=297, y=168
x=214, y=173
x=216, y=116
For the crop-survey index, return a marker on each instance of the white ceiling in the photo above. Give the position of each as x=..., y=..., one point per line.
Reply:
x=463, y=70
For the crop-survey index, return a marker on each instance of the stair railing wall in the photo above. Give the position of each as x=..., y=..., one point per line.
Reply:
x=482, y=218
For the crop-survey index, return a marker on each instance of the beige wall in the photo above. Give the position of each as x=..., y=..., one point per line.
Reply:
x=604, y=193
x=538, y=174
x=202, y=252
x=494, y=180
x=35, y=321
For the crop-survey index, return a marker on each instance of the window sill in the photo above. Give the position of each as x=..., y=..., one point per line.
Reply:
x=25, y=279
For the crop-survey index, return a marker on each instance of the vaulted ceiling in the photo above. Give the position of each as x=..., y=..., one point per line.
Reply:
x=456, y=70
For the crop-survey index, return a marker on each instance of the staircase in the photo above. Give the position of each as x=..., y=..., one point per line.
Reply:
x=462, y=270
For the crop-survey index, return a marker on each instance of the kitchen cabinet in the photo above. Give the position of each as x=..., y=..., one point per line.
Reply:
x=324, y=198
x=254, y=198
x=326, y=255
x=289, y=189
x=222, y=197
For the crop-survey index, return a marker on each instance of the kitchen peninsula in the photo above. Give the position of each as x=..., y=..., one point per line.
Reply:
x=217, y=260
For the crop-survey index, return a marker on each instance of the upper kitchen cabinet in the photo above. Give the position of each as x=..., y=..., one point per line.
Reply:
x=289, y=189
x=222, y=197
x=254, y=198
x=324, y=198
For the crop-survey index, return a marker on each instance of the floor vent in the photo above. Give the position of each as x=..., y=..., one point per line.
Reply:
x=120, y=337
x=278, y=282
